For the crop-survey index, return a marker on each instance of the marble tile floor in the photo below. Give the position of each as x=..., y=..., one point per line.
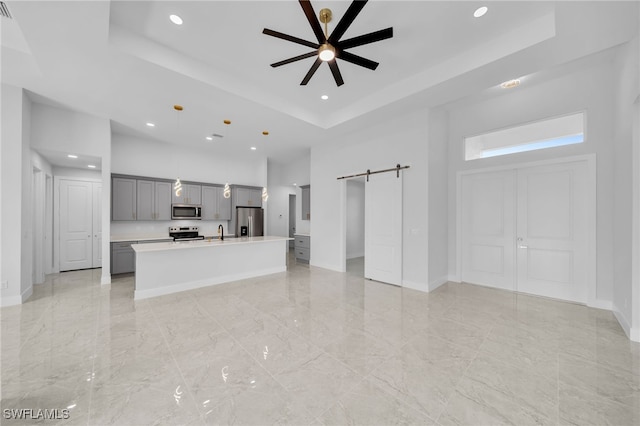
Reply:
x=313, y=347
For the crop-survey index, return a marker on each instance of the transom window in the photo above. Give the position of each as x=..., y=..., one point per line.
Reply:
x=549, y=133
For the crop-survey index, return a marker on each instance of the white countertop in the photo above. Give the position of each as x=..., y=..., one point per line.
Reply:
x=302, y=235
x=180, y=245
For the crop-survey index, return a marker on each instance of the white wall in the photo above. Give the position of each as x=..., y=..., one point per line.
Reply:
x=355, y=218
x=627, y=89
x=42, y=247
x=62, y=130
x=75, y=173
x=152, y=158
x=380, y=145
x=281, y=184
x=13, y=244
x=438, y=198
x=589, y=89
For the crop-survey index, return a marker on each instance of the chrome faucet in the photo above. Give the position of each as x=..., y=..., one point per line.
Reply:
x=220, y=232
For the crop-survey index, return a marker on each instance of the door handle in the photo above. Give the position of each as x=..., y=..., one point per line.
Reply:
x=522, y=247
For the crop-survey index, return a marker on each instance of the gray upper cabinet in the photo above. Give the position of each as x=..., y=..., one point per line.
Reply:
x=163, y=200
x=214, y=205
x=248, y=197
x=153, y=200
x=191, y=194
x=123, y=199
x=306, y=202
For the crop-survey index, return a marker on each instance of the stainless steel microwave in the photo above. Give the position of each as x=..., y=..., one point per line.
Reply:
x=186, y=211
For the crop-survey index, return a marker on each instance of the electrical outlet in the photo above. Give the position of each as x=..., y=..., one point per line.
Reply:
x=4, y=285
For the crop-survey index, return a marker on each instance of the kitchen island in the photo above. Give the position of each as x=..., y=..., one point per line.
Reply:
x=170, y=267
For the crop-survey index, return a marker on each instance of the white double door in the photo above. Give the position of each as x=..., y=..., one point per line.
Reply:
x=80, y=225
x=527, y=230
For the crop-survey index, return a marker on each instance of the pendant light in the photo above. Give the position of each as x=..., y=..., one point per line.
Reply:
x=265, y=195
x=177, y=186
x=227, y=190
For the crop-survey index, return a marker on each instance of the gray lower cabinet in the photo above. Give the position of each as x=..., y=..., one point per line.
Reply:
x=302, y=248
x=123, y=258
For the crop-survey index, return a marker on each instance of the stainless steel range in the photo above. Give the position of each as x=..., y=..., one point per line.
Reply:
x=185, y=233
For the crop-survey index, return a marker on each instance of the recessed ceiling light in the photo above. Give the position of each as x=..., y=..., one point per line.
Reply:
x=480, y=11
x=176, y=19
x=295, y=184
x=324, y=97
x=91, y=166
x=72, y=156
x=209, y=138
x=151, y=125
x=510, y=84
x=253, y=148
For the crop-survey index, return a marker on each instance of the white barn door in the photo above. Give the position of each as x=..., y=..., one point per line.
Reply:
x=383, y=228
x=76, y=225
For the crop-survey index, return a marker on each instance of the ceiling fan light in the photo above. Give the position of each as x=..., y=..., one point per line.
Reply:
x=326, y=52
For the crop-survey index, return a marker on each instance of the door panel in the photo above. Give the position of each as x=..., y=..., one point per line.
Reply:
x=163, y=200
x=383, y=228
x=552, y=229
x=488, y=225
x=97, y=225
x=76, y=225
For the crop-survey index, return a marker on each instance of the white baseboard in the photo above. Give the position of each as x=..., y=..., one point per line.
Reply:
x=326, y=266
x=624, y=323
x=192, y=285
x=355, y=255
x=454, y=279
x=415, y=286
x=105, y=279
x=601, y=304
x=16, y=300
x=437, y=282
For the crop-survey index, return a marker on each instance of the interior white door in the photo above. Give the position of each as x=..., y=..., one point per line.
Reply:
x=383, y=228
x=76, y=225
x=552, y=231
x=488, y=226
x=97, y=224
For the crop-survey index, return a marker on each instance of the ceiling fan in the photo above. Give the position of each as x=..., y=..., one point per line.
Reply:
x=330, y=47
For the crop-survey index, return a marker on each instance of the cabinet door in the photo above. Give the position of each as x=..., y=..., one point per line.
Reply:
x=194, y=194
x=122, y=258
x=256, y=197
x=242, y=197
x=224, y=205
x=306, y=202
x=163, y=200
x=145, y=204
x=123, y=199
x=179, y=199
x=209, y=203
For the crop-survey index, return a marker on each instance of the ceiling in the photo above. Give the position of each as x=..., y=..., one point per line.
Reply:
x=126, y=61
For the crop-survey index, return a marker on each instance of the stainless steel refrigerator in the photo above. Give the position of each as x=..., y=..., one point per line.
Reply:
x=249, y=222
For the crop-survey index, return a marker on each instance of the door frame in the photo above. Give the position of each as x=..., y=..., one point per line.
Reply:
x=56, y=216
x=590, y=159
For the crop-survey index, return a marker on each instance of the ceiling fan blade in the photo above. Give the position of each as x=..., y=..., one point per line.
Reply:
x=312, y=71
x=290, y=38
x=295, y=58
x=313, y=20
x=352, y=12
x=358, y=60
x=366, y=38
x=337, y=76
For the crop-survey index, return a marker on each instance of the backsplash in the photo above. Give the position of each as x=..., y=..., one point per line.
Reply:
x=159, y=227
